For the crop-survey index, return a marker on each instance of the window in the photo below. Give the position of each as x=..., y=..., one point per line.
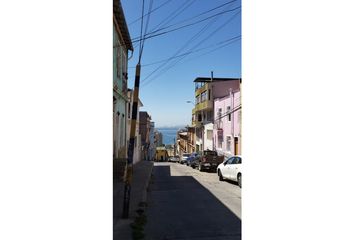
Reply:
x=220, y=141
x=230, y=160
x=208, y=94
x=228, y=143
x=203, y=96
x=197, y=99
x=229, y=115
x=219, y=113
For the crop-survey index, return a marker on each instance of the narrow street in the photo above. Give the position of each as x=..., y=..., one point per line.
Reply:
x=184, y=203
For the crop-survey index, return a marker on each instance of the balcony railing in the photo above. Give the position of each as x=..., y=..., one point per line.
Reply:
x=203, y=106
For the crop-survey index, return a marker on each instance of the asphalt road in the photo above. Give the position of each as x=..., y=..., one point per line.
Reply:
x=184, y=203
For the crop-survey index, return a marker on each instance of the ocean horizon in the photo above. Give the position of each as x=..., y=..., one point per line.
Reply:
x=169, y=134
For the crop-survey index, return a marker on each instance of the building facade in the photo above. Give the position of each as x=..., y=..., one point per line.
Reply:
x=152, y=146
x=206, y=90
x=158, y=139
x=227, y=123
x=161, y=154
x=121, y=45
x=144, y=130
x=137, y=144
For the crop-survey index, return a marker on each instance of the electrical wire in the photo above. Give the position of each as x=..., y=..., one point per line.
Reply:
x=146, y=26
x=145, y=82
x=153, y=10
x=169, y=18
x=194, y=37
x=141, y=31
x=184, y=26
x=197, y=50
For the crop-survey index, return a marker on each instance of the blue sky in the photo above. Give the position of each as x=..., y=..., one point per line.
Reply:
x=164, y=93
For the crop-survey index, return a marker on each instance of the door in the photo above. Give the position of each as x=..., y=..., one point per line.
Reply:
x=235, y=168
x=227, y=168
x=236, y=152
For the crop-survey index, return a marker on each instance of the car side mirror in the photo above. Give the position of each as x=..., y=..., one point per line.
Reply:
x=225, y=163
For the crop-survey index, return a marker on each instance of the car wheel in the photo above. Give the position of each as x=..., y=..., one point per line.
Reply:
x=221, y=178
x=239, y=180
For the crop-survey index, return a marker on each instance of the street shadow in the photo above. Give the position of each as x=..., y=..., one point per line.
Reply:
x=179, y=207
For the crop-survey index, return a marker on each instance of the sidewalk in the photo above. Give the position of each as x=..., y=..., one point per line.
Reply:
x=141, y=177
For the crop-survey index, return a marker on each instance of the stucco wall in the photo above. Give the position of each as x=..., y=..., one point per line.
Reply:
x=208, y=143
x=230, y=127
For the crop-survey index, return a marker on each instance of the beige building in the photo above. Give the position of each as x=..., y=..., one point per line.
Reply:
x=137, y=145
x=161, y=154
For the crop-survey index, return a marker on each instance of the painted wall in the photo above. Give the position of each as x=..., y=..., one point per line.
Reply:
x=152, y=146
x=208, y=137
x=161, y=153
x=231, y=127
x=221, y=89
x=119, y=94
x=137, y=146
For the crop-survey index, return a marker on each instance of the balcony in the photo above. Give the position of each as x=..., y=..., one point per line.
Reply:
x=203, y=106
x=196, y=124
x=201, y=89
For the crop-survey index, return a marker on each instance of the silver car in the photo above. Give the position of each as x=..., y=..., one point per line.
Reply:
x=183, y=158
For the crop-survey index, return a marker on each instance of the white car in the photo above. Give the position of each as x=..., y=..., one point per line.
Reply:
x=231, y=169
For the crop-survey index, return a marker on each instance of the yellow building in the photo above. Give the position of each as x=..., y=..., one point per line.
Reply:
x=161, y=154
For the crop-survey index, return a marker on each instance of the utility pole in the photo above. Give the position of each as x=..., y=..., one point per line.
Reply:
x=129, y=164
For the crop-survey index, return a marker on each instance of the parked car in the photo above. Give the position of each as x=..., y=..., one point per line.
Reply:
x=191, y=158
x=194, y=162
x=174, y=159
x=208, y=160
x=183, y=158
x=231, y=169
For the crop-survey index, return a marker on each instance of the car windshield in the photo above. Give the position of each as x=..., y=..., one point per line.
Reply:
x=210, y=153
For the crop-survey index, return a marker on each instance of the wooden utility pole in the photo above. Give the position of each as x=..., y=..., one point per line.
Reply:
x=129, y=164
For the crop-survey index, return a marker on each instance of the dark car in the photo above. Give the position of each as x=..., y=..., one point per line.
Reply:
x=209, y=160
x=191, y=158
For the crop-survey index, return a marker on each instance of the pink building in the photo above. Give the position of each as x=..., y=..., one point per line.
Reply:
x=206, y=91
x=227, y=123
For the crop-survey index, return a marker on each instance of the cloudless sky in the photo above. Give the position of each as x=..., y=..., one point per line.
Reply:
x=164, y=93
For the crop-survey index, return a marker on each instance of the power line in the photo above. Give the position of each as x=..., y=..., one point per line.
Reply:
x=141, y=31
x=225, y=45
x=171, y=17
x=186, y=20
x=184, y=26
x=153, y=10
x=146, y=27
x=196, y=50
x=173, y=64
x=198, y=34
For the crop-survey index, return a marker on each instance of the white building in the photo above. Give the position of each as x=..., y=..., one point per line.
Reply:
x=208, y=136
x=137, y=146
